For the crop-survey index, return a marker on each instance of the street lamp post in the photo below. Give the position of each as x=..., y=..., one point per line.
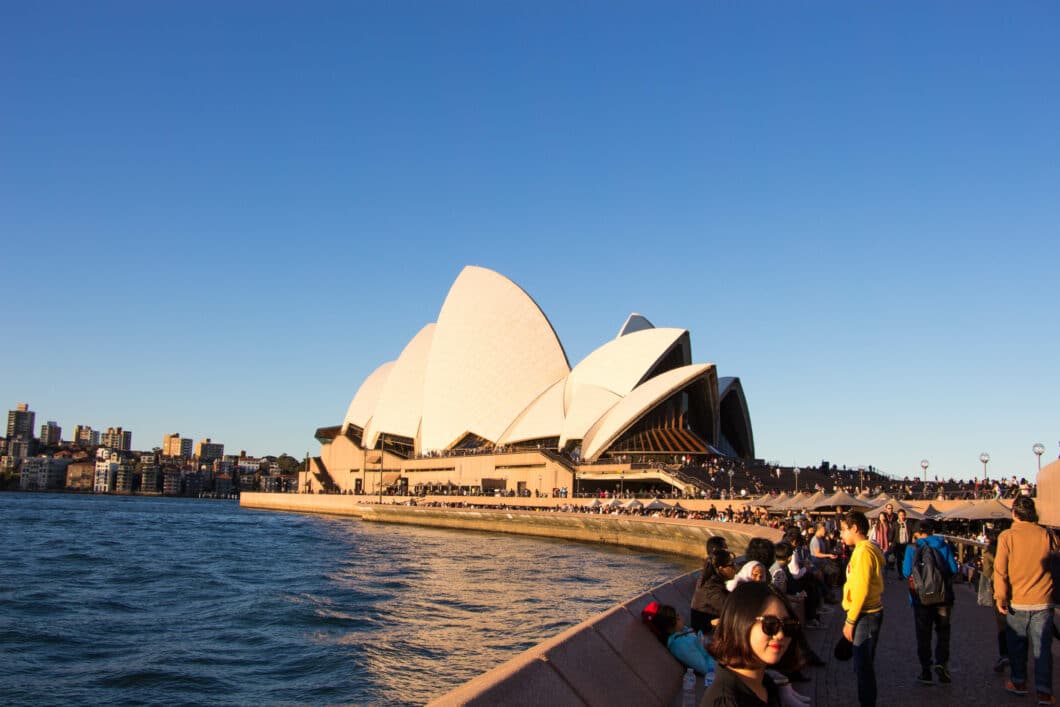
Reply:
x=382, y=453
x=796, y=472
x=731, y=473
x=861, y=479
x=985, y=458
x=924, y=465
x=1039, y=450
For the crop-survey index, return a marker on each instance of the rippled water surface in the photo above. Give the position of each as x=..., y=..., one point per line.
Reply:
x=149, y=600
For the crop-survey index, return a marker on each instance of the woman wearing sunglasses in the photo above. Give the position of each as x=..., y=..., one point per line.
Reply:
x=755, y=632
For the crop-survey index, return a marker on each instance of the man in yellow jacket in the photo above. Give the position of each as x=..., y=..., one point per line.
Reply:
x=863, y=602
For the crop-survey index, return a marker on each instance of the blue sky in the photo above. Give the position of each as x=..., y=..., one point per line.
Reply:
x=218, y=218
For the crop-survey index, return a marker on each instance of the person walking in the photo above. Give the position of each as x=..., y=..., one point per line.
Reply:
x=930, y=560
x=1023, y=588
x=1000, y=620
x=903, y=535
x=863, y=602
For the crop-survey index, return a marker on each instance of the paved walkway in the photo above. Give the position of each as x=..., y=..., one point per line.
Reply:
x=973, y=648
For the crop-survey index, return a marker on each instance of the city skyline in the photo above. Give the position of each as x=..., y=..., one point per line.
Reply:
x=852, y=207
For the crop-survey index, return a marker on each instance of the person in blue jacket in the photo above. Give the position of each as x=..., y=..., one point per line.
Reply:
x=938, y=615
x=686, y=644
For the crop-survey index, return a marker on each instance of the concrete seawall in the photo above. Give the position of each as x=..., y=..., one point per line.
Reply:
x=661, y=535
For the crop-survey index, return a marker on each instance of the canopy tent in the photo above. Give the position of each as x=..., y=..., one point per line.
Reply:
x=949, y=515
x=595, y=503
x=864, y=494
x=634, y=505
x=773, y=503
x=615, y=503
x=844, y=499
x=678, y=507
x=656, y=505
x=931, y=512
x=810, y=503
x=898, y=506
x=763, y=501
x=882, y=499
x=981, y=510
x=788, y=504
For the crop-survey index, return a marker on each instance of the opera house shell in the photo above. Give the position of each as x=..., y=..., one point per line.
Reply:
x=485, y=398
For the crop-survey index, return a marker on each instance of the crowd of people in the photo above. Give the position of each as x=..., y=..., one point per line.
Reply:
x=747, y=622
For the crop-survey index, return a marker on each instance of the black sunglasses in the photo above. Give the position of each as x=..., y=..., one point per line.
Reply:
x=771, y=625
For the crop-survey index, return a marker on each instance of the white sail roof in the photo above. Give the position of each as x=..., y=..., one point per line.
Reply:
x=622, y=363
x=588, y=404
x=635, y=322
x=494, y=352
x=640, y=401
x=400, y=402
x=363, y=404
x=544, y=418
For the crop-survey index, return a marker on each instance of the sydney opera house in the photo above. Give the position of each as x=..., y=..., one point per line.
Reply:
x=485, y=400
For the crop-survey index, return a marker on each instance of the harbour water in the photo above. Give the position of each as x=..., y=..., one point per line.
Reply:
x=133, y=600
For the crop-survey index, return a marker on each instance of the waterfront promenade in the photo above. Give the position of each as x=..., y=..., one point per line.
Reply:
x=973, y=653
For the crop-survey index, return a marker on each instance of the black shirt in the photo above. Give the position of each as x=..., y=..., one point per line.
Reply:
x=729, y=690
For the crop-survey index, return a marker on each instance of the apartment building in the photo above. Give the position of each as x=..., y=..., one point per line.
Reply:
x=206, y=450
x=117, y=438
x=81, y=475
x=20, y=422
x=51, y=434
x=43, y=472
x=176, y=446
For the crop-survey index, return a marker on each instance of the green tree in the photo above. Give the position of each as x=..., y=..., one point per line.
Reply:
x=288, y=464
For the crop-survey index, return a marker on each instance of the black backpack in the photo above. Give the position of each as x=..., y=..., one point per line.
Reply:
x=929, y=576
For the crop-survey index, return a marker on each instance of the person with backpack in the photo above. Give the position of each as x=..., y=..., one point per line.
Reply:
x=930, y=565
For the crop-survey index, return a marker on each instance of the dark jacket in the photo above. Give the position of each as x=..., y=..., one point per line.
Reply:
x=910, y=527
x=710, y=596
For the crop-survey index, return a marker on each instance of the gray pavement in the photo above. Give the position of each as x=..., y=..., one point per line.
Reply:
x=973, y=648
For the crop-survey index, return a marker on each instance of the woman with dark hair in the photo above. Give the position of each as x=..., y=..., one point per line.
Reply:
x=711, y=592
x=756, y=631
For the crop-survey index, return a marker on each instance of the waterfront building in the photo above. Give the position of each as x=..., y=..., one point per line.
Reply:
x=20, y=422
x=150, y=479
x=174, y=445
x=206, y=450
x=171, y=477
x=485, y=399
x=106, y=472
x=125, y=478
x=192, y=484
x=51, y=434
x=223, y=483
x=117, y=438
x=43, y=472
x=80, y=475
